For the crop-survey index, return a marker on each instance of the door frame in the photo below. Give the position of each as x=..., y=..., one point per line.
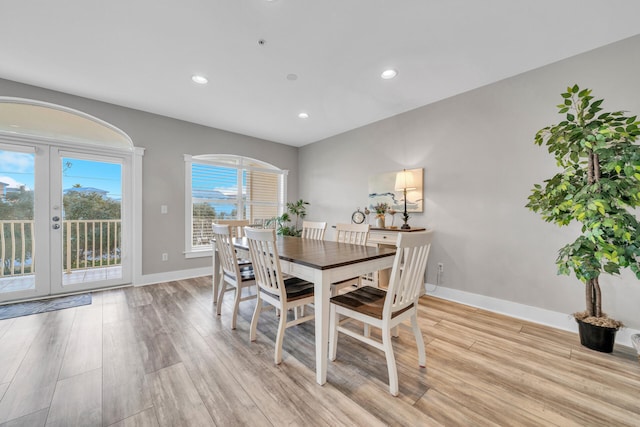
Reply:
x=132, y=179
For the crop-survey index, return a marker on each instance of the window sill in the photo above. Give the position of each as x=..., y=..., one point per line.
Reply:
x=199, y=253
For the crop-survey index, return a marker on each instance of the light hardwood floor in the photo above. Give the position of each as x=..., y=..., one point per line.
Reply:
x=159, y=356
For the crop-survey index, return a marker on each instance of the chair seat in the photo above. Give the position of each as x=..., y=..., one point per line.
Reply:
x=366, y=300
x=246, y=273
x=296, y=288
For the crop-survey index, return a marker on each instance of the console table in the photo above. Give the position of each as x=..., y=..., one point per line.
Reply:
x=387, y=236
x=381, y=237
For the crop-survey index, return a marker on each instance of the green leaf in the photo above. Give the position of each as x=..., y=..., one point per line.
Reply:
x=571, y=117
x=575, y=89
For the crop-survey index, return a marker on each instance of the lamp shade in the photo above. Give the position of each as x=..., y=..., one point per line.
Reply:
x=404, y=181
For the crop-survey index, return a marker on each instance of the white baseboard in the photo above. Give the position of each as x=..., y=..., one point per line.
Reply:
x=150, y=279
x=554, y=319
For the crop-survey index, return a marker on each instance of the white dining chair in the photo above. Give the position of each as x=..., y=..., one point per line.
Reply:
x=236, y=226
x=386, y=309
x=313, y=230
x=273, y=288
x=235, y=275
x=356, y=234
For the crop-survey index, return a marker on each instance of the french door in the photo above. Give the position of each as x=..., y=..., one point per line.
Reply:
x=63, y=220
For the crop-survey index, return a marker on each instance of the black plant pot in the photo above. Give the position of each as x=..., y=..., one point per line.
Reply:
x=596, y=337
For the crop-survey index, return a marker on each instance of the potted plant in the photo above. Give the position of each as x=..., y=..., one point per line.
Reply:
x=283, y=226
x=381, y=210
x=599, y=187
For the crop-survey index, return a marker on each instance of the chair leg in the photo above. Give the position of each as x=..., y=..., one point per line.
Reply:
x=391, y=361
x=254, y=319
x=333, y=332
x=236, y=305
x=222, y=287
x=422, y=357
x=216, y=286
x=280, y=336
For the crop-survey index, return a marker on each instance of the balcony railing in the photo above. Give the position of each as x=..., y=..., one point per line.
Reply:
x=86, y=244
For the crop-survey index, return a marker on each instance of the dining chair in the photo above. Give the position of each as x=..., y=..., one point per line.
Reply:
x=386, y=309
x=273, y=288
x=356, y=234
x=236, y=225
x=313, y=230
x=235, y=274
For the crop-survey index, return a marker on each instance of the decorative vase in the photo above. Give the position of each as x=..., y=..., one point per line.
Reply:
x=380, y=222
x=598, y=338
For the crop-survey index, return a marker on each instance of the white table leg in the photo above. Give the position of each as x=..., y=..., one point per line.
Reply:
x=322, y=290
x=215, y=273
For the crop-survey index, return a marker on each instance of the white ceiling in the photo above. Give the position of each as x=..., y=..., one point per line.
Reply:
x=142, y=54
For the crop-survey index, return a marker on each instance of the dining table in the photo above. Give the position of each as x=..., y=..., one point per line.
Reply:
x=321, y=262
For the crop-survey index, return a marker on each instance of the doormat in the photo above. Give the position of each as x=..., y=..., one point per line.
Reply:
x=34, y=307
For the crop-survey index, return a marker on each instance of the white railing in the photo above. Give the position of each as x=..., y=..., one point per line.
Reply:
x=17, y=250
x=86, y=244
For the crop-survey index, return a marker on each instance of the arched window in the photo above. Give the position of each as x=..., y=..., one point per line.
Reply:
x=224, y=186
x=49, y=122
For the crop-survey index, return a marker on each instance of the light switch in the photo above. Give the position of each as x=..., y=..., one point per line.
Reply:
x=163, y=209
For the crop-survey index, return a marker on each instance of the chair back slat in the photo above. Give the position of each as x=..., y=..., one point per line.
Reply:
x=407, y=274
x=264, y=257
x=226, y=252
x=356, y=234
x=313, y=230
x=236, y=226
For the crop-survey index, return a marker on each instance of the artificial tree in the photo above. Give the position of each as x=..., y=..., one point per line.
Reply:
x=599, y=187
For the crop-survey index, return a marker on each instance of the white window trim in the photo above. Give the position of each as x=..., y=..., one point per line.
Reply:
x=205, y=251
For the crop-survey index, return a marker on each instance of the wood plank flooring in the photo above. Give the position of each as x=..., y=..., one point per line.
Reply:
x=159, y=356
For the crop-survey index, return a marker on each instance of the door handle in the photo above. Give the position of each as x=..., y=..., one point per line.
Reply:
x=55, y=226
x=55, y=218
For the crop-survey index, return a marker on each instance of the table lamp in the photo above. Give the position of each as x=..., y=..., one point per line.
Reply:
x=404, y=182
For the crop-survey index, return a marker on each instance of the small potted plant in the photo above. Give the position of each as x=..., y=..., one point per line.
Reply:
x=283, y=226
x=599, y=187
x=381, y=210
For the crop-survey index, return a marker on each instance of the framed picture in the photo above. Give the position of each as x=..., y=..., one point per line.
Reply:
x=382, y=189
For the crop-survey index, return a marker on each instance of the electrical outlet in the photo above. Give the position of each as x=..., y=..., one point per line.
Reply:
x=440, y=267
x=165, y=256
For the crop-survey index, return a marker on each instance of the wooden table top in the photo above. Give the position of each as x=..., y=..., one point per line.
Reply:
x=322, y=254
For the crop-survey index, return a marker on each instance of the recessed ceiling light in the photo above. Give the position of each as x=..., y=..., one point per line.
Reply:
x=303, y=115
x=389, y=74
x=201, y=80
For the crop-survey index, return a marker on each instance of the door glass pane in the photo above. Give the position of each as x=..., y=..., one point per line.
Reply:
x=91, y=221
x=17, y=237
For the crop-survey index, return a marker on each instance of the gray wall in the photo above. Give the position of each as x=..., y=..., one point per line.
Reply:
x=480, y=164
x=166, y=141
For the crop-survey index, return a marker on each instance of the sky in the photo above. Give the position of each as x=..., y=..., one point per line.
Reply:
x=18, y=169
